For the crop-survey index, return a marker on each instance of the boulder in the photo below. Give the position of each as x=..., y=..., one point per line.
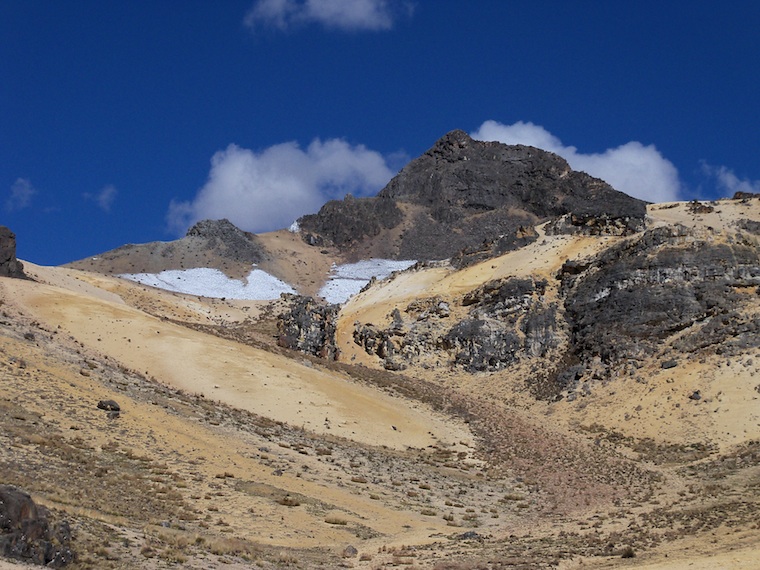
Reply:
x=109, y=406
x=26, y=533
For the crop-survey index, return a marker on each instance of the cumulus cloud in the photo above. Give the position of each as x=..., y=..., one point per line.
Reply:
x=728, y=182
x=105, y=198
x=636, y=169
x=345, y=15
x=21, y=196
x=267, y=190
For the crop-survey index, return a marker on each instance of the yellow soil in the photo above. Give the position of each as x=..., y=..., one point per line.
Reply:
x=248, y=378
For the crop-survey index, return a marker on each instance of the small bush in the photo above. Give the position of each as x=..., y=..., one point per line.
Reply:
x=628, y=553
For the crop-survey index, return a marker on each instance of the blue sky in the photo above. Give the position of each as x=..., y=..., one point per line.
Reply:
x=123, y=122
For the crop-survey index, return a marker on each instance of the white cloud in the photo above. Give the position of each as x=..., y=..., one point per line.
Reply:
x=636, y=169
x=729, y=182
x=105, y=198
x=346, y=15
x=21, y=196
x=267, y=190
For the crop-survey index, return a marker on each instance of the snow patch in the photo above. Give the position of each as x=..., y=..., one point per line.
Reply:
x=348, y=279
x=294, y=228
x=206, y=282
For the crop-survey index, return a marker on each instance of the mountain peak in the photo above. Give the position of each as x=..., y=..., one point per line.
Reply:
x=464, y=192
x=214, y=229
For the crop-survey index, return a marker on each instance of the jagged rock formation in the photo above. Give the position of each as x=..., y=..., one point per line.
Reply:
x=9, y=265
x=467, y=194
x=26, y=533
x=308, y=326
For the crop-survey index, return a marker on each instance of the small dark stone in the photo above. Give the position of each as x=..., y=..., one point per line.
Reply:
x=695, y=395
x=350, y=551
x=672, y=363
x=109, y=406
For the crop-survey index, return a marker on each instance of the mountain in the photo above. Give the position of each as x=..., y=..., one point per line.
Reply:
x=462, y=193
x=580, y=393
x=463, y=199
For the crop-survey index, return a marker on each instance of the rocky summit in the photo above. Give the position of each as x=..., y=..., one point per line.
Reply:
x=567, y=378
x=464, y=194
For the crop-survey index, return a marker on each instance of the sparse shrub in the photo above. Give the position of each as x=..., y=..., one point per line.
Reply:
x=512, y=497
x=628, y=552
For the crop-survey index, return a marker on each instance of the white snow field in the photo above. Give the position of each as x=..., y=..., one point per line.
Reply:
x=344, y=281
x=259, y=286
x=347, y=280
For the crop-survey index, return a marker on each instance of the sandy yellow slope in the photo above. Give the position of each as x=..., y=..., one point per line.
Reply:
x=267, y=384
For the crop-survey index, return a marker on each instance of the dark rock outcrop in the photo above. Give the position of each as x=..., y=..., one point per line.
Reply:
x=633, y=297
x=463, y=193
x=26, y=532
x=309, y=326
x=507, y=320
x=9, y=265
x=343, y=223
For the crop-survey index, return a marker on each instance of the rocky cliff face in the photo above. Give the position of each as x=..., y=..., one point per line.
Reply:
x=9, y=265
x=465, y=194
x=667, y=285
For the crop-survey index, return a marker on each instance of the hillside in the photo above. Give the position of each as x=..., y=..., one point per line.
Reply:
x=584, y=398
